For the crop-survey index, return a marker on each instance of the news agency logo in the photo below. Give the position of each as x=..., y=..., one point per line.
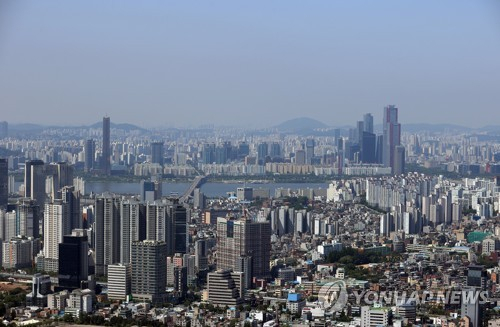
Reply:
x=334, y=296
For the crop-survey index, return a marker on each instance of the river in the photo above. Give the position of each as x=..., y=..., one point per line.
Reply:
x=210, y=189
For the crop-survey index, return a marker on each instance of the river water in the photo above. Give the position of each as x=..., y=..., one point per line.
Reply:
x=210, y=189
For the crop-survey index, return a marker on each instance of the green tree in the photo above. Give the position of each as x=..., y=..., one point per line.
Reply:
x=346, y=260
x=68, y=317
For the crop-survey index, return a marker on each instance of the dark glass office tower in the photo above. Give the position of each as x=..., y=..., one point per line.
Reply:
x=368, y=148
x=157, y=153
x=179, y=218
x=89, y=155
x=106, y=146
x=73, y=261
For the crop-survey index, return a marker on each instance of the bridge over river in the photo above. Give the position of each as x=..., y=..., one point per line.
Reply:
x=197, y=182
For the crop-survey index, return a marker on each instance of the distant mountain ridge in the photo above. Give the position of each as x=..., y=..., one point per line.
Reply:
x=35, y=127
x=300, y=124
x=124, y=126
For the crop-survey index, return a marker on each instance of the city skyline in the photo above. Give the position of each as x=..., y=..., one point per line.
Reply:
x=248, y=65
x=298, y=123
x=259, y=163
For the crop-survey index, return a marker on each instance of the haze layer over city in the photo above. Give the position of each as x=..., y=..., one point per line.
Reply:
x=253, y=65
x=250, y=164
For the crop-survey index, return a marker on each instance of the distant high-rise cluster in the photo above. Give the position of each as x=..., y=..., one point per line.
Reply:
x=118, y=223
x=364, y=146
x=43, y=182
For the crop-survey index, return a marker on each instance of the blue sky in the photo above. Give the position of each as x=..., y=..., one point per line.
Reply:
x=252, y=63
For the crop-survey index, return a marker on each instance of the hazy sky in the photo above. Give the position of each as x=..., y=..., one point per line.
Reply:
x=249, y=63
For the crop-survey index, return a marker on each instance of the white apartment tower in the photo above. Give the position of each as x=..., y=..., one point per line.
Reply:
x=56, y=224
x=107, y=232
x=129, y=228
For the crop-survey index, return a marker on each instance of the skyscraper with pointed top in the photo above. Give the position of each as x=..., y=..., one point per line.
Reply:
x=106, y=146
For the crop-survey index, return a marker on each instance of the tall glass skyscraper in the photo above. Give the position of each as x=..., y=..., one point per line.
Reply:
x=106, y=146
x=89, y=155
x=392, y=135
x=157, y=152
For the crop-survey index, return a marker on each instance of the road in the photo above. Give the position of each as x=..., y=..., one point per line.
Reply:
x=197, y=182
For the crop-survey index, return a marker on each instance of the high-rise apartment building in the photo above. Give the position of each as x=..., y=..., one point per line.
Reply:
x=309, y=151
x=198, y=199
x=243, y=149
x=56, y=224
x=275, y=151
x=8, y=224
x=158, y=222
x=4, y=183
x=208, y=153
x=243, y=237
x=107, y=232
x=262, y=152
x=300, y=157
x=17, y=253
x=28, y=217
x=106, y=146
x=149, y=270
x=132, y=227
x=392, y=135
